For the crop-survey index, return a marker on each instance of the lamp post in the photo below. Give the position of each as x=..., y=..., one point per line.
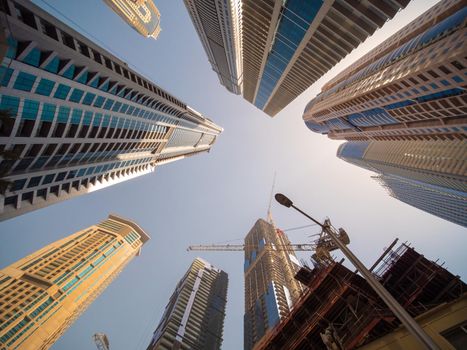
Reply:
x=410, y=324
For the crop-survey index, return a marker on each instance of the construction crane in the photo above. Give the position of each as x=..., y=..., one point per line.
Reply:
x=101, y=341
x=321, y=246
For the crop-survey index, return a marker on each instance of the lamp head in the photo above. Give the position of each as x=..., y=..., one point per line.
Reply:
x=285, y=201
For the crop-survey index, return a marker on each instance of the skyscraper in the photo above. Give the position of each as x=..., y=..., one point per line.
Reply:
x=42, y=294
x=429, y=175
x=194, y=317
x=76, y=119
x=142, y=15
x=285, y=45
x=270, y=286
x=218, y=24
x=412, y=86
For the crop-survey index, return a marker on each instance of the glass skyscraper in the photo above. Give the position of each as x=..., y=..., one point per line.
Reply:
x=194, y=316
x=429, y=175
x=142, y=15
x=270, y=285
x=74, y=118
x=285, y=46
x=410, y=87
x=42, y=294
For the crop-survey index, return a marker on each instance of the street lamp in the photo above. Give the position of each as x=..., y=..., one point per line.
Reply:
x=403, y=316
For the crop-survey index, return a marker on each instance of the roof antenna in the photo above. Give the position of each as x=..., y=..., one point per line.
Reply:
x=270, y=200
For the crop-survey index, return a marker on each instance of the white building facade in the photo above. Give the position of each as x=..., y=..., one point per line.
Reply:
x=76, y=119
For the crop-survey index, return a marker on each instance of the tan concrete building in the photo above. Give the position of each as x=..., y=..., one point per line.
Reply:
x=446, y=324
x=412, y=86
x=142, y=15
x=270, y=286
x=42, y=294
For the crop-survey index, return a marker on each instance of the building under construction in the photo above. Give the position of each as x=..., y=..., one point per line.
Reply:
x=339, y=310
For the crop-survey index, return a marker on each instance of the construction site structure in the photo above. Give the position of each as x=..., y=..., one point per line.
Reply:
x=339, y=310
x=101, y=341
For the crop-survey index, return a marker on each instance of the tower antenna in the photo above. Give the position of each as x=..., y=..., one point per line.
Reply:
x=269, y=215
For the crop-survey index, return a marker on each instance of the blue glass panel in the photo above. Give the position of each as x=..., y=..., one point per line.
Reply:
x=272, y=308
x=448, y=24
x=45, y=87
x=94, y=81
x=62, y=91
x=69, y=72
x=99, y=101
x=76, y=116
x=76, y=95
x=322, y=129
x=441, y=94
x=35, y=181
x=88, y=98
x=87, y=118
x=10, y=104
x=97, y=119
x=48, y=179
x=30, y=109
x=60, y=176
x=48, y=112
x=108, y=104
x=53, y=65
x=354, y=149
x=63, y=114
x=24, y=81
x=83, y=78
x=5, y=75
x=105, y=86
x=12, y=46
x=106, y=121
x=294, y=21
x=33, y=58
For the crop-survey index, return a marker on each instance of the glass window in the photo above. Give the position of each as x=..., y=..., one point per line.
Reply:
x=63, y=114
x=48, y=112
x=76, y=95
x=108, y=104
x=60, y=176
x=35, y=181
x=33, y=58
x=10, y=104
x=53, y=65
x=62, y=91
x=5, y=73
x=99, y=101
x=88, y=98
x=30, y=109
x=48, y=179
x=45, y=87
x=69, y=72
x=18, y=185
x=24, y=81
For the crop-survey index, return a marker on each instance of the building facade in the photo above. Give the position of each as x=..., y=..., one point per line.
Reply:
x=427, y=174
x=75, y=118
x=218, y=24
x=42, y=294
x=270, y=286
x=287, y=45
x=142, y=15
x=194, y=317
x=412, y=86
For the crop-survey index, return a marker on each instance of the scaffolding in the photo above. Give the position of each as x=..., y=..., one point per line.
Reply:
x=341, y=309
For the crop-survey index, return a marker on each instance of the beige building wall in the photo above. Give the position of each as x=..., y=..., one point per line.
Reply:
x=436, y=321
x=42, y=294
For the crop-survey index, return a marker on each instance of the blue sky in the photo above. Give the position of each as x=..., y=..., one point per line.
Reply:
x=217, y=196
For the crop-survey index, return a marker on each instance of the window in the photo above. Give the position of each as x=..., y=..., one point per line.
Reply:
x=35, y=181
x=30, y=109
x=18, y=185
x=5, y=73
x=42, y=193
x=25, y=16
x=11, y=200
x=62, y=92
x=457, y=335
x=48, y=29
x=99, y=101
x=60, y=176
x=68, y=40
x=88, y=98
x=45, y=87
x=24, y=81
x=28, y=196
x=48, y=179
x=76, y=95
